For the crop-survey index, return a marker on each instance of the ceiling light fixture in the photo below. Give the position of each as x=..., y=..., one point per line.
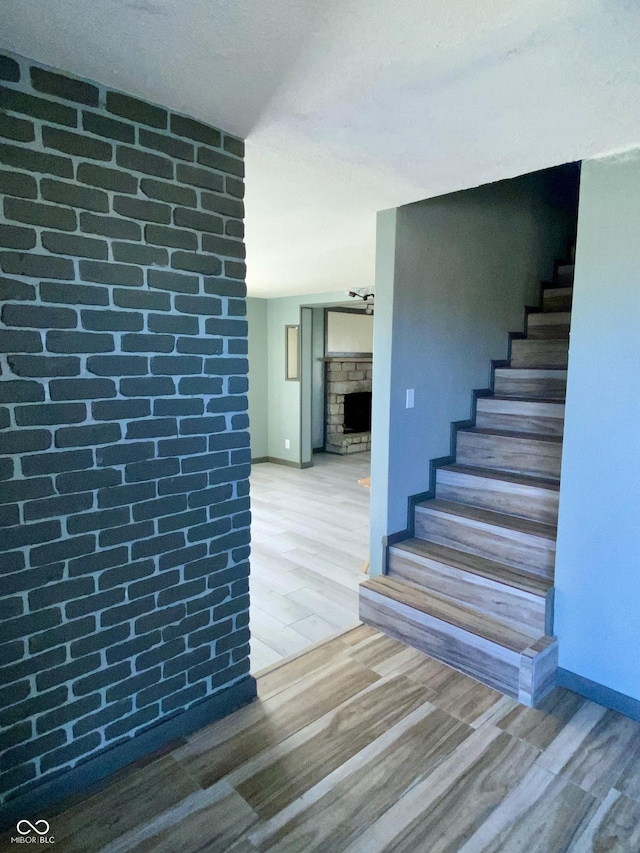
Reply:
x=367, y=295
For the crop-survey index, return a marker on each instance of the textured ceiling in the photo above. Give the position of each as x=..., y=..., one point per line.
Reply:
x=352, y=106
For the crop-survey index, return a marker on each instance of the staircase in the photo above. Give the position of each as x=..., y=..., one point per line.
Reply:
x=474, y=586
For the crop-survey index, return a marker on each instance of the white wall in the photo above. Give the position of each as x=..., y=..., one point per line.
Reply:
x=465, y=265
x=598, y=560
x=349, y=333
x=258, y=385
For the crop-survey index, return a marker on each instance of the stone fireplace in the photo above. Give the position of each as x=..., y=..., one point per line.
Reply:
x=348, y=379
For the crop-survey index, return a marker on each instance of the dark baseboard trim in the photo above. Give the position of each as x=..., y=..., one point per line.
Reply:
x=387, y=542
x=599, y=693
x=276, y=461
x=47, y=799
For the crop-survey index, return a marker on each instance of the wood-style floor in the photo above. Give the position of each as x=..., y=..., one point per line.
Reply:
x=310, y=539
x=365, y=745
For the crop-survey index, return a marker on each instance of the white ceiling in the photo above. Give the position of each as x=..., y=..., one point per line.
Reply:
x=352, y=106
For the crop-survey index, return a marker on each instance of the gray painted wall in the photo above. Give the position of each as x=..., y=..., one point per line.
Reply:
x=258, y=393
x=597, y=577
x=464, y=267
x=383, y=353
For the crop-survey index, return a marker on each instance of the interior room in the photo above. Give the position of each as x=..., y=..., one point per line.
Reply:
x=310, y=505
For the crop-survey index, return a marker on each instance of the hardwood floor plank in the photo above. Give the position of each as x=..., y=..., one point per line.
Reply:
x=382, y=833
x=340, y=808
x=541, y=814
x=595, y=767
x=274, y=575
x=342, y=733
x=466, y=700
x=321, y=574
x=358, y=635
x=495, y=712
x=628, y=782
x=443, y=827
x=376, y=650
x=314, y=628
x=169, y=818
x=288, y=674
x=274, y=634
x=211, y=829
x=406, y=657
x=280, y=720
x=280, y=607
x=570, y=738
x=615, y=827
x=261, y=655
x=94, y=823
x=336, y=614
x=539, y=726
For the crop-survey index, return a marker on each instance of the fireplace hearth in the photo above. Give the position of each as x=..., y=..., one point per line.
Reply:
x=348, y=410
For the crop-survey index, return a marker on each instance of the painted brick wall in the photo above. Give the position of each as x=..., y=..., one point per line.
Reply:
x=124, y=492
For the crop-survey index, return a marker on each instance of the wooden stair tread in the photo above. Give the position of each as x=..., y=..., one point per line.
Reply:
x=563, y=288
x=482, y=566
x=537, y=371
x=507, y=476
x=490, y=517
x=546, y=400
x=457, y=615
x=525, y=436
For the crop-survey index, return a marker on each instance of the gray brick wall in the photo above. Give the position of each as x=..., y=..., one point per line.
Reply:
x=124, y=500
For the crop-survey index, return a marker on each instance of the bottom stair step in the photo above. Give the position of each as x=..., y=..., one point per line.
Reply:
x=501, y=592
x=480, y=646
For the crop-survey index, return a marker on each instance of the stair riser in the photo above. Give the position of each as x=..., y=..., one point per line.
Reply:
x=542, y=354
x=498, y=495
x=520, y=416
x=557, y=299
x=560, y=332
x=524, y=550
x=564, y=275
x=486, y=661
x=519, y=383
x=548, y=326
x=507, y=453
x=520, y=423
x=525, y=611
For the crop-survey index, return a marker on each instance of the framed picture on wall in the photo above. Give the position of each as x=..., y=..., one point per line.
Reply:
x=292, y=353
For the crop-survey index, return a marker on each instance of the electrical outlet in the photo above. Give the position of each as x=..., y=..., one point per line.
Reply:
x=410, y=398
x=287, y=444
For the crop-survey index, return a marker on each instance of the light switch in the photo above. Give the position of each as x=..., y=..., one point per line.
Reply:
x=410, y=398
